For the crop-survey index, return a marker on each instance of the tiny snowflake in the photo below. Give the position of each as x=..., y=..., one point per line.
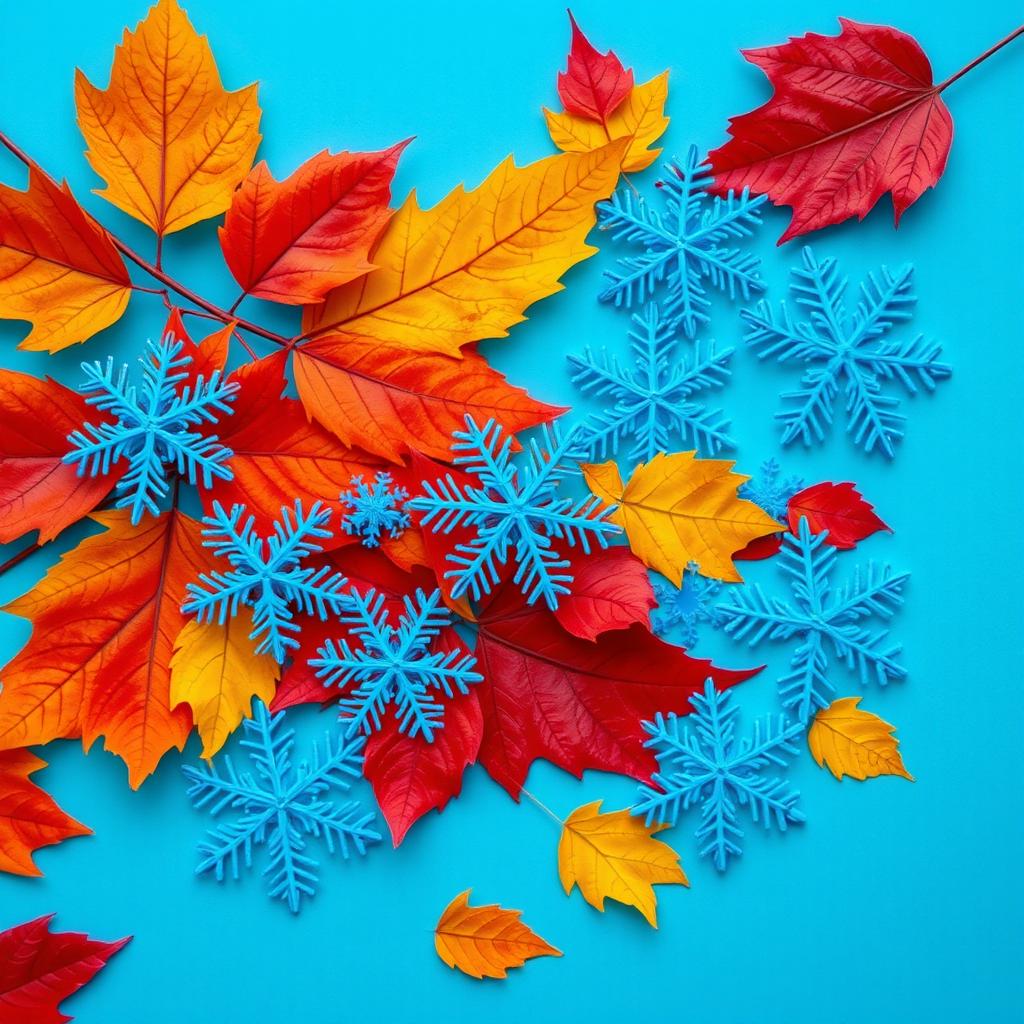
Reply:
x=513, y=509
x=771, y=493
x=373, y=508
x=819, y=619
x=394, y=666
x=849, y=352
x=704, y=765
x=684, y=248
x=279, y=805
x=152, y=429
x=654, y=399
x=687, y=606
x=266, y=574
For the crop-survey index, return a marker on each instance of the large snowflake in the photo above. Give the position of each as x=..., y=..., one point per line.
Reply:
x=770, y=491
x=394, y=665
x=279, y=805
x=846, y=352
x=704, y=765
x=514, y=509
x=373, y=509
x=153, y=426
x=821, y=619
x=685, y=608
x=686, y=247
x=267, y=574
x=654, y=406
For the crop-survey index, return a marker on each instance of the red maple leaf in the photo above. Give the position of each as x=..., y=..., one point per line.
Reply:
x=838, y=508
x=593, y=84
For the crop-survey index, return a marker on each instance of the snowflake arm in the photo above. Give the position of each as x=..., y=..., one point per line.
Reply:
x=374, y=508
x=686, y=607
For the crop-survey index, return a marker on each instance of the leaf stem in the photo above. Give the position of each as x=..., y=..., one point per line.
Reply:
x=981, y=58
x=547, y=810
x=20, y=557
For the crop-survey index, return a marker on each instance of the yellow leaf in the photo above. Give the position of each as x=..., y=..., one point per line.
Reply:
x=640, y=119
x=483, y=941
x=678, y=509
x=854, y=742
x=216, y=671
x=169, y=141
x=615, y=856
x=468, y=268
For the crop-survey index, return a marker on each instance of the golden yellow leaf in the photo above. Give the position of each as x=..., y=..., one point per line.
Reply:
x=854, y=742
x=217, y=672
x=615, y=856
x=169, y=141
x=678, y=509
x=468, y=268
x=640, y=119
x=484, y=941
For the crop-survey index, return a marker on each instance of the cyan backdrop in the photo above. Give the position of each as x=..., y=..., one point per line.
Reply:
x=894, y=901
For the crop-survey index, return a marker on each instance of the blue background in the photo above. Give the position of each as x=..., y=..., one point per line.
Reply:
x=895, y=900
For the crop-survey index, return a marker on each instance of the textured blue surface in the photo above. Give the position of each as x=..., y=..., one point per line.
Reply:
x=894, y=900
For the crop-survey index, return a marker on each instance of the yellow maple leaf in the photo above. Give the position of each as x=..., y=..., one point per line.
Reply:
x=640, y=119
x=854, y=742
x=678, y=509
x=169, y=141
x=468, y=268
x=484, y=941
x=615, y=856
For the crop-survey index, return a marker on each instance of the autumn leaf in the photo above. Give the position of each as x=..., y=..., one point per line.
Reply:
x=484, y=942
x=593, y=84
x=838, y=508
x=170, y=143
x=29, y=817
x=615, y=856
x=208, y=355
x=854, y=742
x=678, y=509
x=292, y=241
x=58, y=268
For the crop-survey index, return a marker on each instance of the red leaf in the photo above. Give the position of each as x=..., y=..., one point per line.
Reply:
x=40, y=968
x=853, y=116
x=293, y=241
x=759, y=549
x=610, y=590
x=593, y=84
x=208, y=355
x=838, y=508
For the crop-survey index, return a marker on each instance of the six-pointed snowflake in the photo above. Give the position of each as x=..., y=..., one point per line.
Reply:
x=374, y=508
x=267, y=575
x=686, y=247
x=686, y=607
x=153, y=425
x=704, y=765
x=513, y=510
x=769, y=492
x=279, y=805
x=845, y=352
x=654, y=407
x=821, y=620
x=391, y=665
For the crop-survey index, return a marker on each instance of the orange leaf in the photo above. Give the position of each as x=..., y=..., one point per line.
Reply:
x=58, y=267
x=169, y=141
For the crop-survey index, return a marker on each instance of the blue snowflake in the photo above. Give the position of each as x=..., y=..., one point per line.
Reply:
x=769, y=492
x=279, y=805
x=394, y=666
x=654, y=399
x=686, y=607
x=153, y=425
x=513, y=509
x=820, y=619
x=684, y=248
x=704, y=765
x=373, y=508
x=849, y=352
x=267, y=575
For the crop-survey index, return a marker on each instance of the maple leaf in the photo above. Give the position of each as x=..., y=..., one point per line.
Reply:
x=39, y=969
x=58, y=267
x=168, y=140
x=614, y=855
x=838, y=509
x=677, y=509
x=29, y=818
x=854, y=742
x=293, y=241
x=484, y=942
x=593, y=84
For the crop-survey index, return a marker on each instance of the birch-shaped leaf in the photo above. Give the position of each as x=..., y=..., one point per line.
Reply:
x=850, y=741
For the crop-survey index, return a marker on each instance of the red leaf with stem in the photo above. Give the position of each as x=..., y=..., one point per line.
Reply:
x=594, y=84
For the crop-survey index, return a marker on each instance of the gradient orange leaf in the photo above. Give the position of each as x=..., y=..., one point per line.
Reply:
x=850, y=741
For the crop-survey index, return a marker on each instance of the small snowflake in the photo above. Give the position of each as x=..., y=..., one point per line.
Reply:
x=653, y=400
x=686, y=607
x=820, y=619
x=153, y=425
x=704, y=765
x=279, y=805
x=266, y=574
x=684, y=248
x=848, y=352
x=771, y=493
x=373, y=508
x=513, y=509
